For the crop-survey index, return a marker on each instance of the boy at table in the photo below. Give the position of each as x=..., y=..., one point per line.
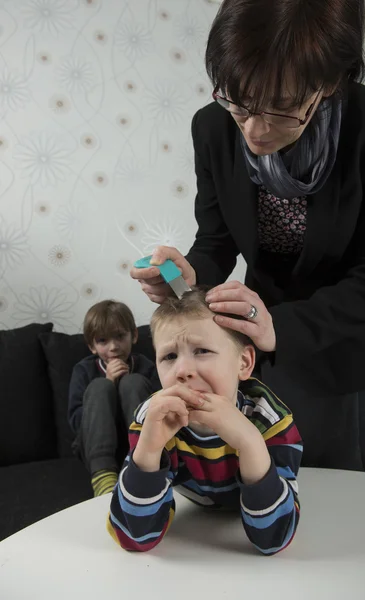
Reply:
x=215, y=434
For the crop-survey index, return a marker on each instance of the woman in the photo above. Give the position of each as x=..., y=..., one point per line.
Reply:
x=280, y=165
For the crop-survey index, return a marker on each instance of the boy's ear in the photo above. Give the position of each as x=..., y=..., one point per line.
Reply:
x=92, y=348
x=247, y=362
x=135, y=336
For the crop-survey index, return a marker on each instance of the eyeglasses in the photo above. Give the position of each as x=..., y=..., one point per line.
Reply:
x=271, y=118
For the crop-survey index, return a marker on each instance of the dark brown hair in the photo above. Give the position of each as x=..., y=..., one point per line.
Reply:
x=107, y=318
x=192, y=304
x=254, y=45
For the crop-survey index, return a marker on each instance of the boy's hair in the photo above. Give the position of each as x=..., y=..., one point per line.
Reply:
x=192, y=304
x=105, y=319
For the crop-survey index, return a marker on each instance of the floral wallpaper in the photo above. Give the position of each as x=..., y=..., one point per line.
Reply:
x=96, y=101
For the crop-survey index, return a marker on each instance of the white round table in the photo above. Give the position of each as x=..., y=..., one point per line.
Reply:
x=70, y=556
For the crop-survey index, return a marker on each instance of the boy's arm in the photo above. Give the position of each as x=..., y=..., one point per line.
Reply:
x=270, y=508
x=78, y=384
x=142, y=506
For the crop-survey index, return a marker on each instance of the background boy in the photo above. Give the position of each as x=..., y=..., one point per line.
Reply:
x=105, y=390
x=217, y=445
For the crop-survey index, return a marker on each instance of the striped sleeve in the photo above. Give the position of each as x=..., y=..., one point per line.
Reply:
x=142, y=506
x=270, y=508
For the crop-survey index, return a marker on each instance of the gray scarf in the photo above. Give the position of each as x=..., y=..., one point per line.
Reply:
x=304, y=169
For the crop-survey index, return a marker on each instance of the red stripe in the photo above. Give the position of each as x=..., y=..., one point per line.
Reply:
x=133, y=439
x=291, y=436
x=213, y=472
x=128, y=544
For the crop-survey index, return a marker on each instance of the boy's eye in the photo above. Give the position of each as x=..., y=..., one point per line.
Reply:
x=101, y=341
x=202, y=351
x=170, y=356
x=120, y=336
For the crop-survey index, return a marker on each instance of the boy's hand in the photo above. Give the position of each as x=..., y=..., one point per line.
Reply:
x=221, y=415
x=167, y=412
x=116, y=368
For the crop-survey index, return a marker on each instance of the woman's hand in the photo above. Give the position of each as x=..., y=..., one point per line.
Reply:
x=235, y=298
x=152, y=282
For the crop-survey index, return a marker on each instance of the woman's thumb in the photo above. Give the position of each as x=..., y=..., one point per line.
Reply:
x=162, y=253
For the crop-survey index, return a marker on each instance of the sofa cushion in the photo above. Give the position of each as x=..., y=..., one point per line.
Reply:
x=62, y=352
x=27, y=429
x=36, y=490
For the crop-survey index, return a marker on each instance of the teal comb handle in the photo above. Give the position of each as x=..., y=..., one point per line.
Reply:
x=168, y=269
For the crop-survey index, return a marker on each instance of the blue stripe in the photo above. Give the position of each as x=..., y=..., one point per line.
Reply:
x=143, y=538
x=285, y=472
x=200, y=489
x=265, y=522
x=142, y=510
x=298, y=447
x=288, y=536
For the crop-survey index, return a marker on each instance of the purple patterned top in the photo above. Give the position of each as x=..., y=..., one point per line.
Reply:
x=282, y=222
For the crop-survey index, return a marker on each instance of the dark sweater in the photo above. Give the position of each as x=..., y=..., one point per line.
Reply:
x=318, y=310
x=90, y=368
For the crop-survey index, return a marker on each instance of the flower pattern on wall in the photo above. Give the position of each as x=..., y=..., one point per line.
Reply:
x=43, y=159
x=165, y=103
x=164, y=232
x=68, y=220
x=14, y=247
x=44, y=305
x=14, y=92
x=96, y=100
x=59, y=256
x=133, y=40
x=76, y=75
x=48, y=16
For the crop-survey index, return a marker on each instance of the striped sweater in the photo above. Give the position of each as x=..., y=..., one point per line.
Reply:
x=206, y=470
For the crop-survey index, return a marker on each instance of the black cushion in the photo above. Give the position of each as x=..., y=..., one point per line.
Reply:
x=63, y=352
x=144, y=343
x=26, y=415
x=36, y=490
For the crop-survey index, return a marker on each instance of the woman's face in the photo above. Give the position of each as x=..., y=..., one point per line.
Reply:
x=263, y=138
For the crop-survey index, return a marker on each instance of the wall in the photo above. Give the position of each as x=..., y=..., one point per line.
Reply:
x=96, y=100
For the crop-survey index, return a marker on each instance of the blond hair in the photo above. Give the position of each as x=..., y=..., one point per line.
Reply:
x=193, y=305
x=106, y=318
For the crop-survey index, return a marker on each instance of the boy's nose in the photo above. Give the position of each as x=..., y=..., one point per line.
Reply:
x=185, y=370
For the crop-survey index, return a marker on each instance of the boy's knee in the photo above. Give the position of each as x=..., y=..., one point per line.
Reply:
x=99, y=388
x=136, y=383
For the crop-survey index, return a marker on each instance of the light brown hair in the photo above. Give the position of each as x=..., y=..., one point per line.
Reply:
x=105, y=319
x=193, y=305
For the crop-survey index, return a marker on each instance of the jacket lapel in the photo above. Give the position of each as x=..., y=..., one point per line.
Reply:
x=321, y=213
x=243, y=206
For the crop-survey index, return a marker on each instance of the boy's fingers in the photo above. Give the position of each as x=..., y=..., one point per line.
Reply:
x=189, y=396
x=173, y=404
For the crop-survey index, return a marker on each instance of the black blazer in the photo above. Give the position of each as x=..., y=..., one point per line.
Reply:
x=319, y=316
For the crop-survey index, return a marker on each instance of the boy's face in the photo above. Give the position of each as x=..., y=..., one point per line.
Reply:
x=118, y=346
x=196, y=352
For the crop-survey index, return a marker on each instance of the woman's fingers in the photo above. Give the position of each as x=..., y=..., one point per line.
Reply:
x=148, y=273
x=163, y=253
x=158, y=289
x=233, y=308
x=248, y=328
x=225, y=292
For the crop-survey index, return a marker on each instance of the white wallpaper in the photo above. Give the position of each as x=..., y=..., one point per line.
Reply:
x=96, y=101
